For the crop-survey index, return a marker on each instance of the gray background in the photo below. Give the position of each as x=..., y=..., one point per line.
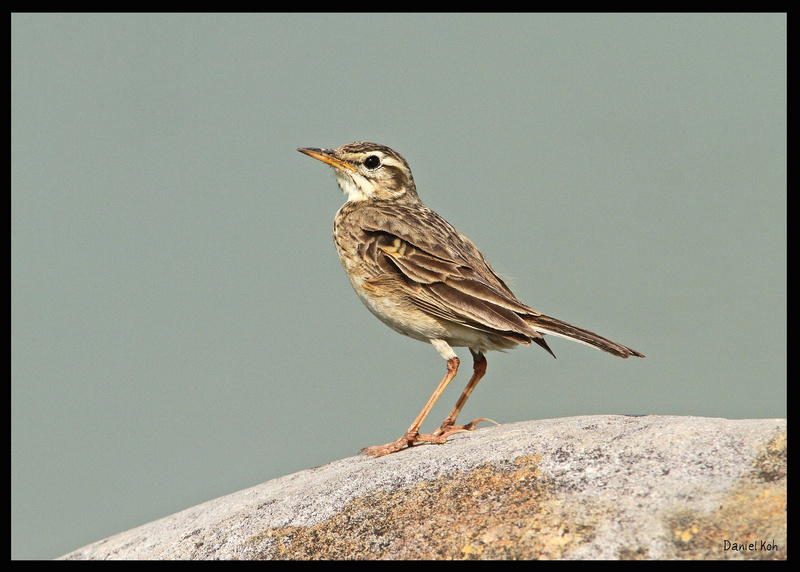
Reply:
x=181, y=326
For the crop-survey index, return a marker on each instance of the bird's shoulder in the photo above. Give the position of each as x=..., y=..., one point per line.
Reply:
x=435, y=245
x=413, y=223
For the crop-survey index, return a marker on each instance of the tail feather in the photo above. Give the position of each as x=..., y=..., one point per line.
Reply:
x=547, y=325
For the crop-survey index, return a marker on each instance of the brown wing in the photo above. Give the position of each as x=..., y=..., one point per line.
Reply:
x=446, y=275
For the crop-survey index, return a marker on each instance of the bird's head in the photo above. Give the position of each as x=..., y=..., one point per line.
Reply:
x=368, y=171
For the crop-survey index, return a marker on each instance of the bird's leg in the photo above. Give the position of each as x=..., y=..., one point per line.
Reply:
x=413, y=436
x=448, y=426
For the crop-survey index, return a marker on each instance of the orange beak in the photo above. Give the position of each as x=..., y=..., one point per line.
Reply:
x=326, y=156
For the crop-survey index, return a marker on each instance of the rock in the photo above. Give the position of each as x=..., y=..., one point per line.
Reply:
x=606, y=486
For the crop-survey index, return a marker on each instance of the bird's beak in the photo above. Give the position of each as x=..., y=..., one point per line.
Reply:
x=326, y=156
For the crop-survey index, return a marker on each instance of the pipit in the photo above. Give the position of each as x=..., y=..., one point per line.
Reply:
x=424, y=279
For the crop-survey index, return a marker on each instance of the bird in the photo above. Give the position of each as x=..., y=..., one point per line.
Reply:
x=424, y=279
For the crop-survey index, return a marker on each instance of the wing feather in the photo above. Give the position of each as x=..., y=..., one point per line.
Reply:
x=447, y=276
x=443, y=274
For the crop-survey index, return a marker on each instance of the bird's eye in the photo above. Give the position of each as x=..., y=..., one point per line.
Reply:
x=372, y=162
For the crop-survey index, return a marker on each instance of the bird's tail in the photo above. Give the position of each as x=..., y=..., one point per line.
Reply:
x=547, y=325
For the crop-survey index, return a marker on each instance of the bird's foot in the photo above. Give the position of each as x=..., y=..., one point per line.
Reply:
x=410, y=439
x=448, y=428
x=407, y=440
